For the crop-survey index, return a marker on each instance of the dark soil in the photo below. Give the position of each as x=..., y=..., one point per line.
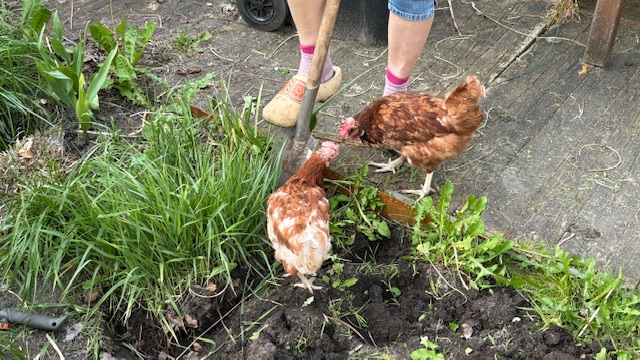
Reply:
x=368, y=321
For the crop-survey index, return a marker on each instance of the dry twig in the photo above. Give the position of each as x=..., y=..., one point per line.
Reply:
x=220, y=56
x=281, y=44
x=447, y=282
x=326, y=318
x=55, y=346
x=566, y=239
x=192, y=292
x=455, y=254
x=606, y=147
x=360, y=93
x=548, y=38
x=453, y=18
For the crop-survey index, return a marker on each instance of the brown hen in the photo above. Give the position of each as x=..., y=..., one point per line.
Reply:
x=425, y=130
x=298, y=218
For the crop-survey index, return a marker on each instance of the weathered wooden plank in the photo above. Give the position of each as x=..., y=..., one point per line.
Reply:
x=614, y=204
x=603, y=31
x=448, y=57
x=517, y=110
x=594, y=208
x=489, y=43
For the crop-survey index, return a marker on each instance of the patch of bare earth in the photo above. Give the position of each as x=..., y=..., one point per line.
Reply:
x=392, y=306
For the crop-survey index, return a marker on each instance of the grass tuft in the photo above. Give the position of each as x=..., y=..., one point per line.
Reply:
x=140, y=223
x=20, y=86
x=562, y=11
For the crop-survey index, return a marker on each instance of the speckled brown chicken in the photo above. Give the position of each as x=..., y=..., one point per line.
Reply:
x=425, y=130
x=298, y=218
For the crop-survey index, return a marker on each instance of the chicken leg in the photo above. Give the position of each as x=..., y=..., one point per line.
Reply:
x=389, y=166
x=307, y=284
x=426, y=188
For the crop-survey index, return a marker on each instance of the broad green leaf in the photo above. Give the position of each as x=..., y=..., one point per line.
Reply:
x=129, y=43
x=308, y=301
x=445, y=198
x=77, y=63
x=122, y=27
x=602, y=355
x=71, y=75
x=28, y=8
x=103, y=36
x=39, y=19
x=349, y=282
x=203, y=36
x=57, y=25
x=59, y=83
x=608, y=288
x=99, y=78
x=60, y=50
x=83, y=113
x=124, y=70
x=383, y=228
x=143, y=38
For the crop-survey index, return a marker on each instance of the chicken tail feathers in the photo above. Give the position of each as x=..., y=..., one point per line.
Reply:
x=462, y=105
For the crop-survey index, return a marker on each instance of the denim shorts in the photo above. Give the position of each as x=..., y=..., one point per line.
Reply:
x=414, y=10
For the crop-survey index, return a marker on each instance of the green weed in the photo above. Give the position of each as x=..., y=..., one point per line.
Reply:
x=459, y=240
x=394, y=291
x=62, y=68
x=129, y=42
x=563, y=290
x=187, y=44
x=428, y=352
x=335, y=279
x=358, y=208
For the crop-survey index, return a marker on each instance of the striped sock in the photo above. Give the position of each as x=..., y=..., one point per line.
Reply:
x=306, y=56
x=394, y=84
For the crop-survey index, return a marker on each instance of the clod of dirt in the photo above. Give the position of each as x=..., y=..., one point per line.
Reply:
x=368, y=318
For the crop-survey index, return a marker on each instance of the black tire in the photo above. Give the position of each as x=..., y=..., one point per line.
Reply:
x=265, y=15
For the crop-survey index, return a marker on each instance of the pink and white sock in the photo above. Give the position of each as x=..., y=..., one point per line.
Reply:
x=394, y=84
x=306, y=56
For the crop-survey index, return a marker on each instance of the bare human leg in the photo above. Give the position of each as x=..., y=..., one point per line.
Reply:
x=406, y=42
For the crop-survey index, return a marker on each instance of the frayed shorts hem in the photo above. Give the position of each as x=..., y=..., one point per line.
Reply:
x=413, y=10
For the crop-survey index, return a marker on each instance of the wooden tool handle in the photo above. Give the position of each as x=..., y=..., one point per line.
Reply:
x=322, y=44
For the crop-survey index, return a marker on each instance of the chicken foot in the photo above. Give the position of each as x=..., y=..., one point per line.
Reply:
x=389, y=166
x=307, y=283
x=426, y=188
